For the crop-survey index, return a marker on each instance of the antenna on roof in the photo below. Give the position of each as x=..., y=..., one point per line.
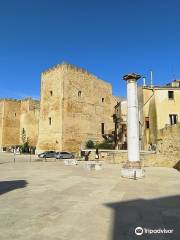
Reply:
x=151, y=79
x=144, y=81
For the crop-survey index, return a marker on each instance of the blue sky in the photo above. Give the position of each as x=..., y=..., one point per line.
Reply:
x=108, y=38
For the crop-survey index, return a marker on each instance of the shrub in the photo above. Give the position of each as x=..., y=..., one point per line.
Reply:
x=25, y=147
x=33, y=149
x=106, y=144
x=90, y=144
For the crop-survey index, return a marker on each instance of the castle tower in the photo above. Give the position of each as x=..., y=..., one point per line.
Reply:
x=75, y=107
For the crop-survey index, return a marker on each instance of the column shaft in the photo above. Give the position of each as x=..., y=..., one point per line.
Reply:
x=133, y=122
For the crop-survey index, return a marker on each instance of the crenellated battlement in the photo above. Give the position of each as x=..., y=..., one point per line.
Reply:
x=26, y=99
x=19, y=100
x=10, y=99
x=29, y=99
x=64, y=66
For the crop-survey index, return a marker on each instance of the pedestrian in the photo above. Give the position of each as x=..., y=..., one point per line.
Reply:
x=97, y=153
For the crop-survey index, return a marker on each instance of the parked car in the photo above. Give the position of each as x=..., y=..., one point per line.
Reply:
x=64, y=155
x=47, y=154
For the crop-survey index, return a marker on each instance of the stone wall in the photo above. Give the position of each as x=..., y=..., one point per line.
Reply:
x=168, y=150
x=10, y=123
x=168, y=143
x=29, y=120
x=50, y=119
x=121, y=156
x=88, y=102
x=1, y=122
x=148, y=159
x=16, y=115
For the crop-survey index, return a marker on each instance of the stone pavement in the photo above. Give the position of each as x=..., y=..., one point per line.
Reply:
x=50, y=201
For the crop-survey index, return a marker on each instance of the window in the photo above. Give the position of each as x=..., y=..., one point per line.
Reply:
x=102, y=99
x=51, y=93
x=102, y=128
x=15, y=114
x=79, y=93
x=147, y=122
x=50, y=120
x=171, y=95
x=173, y=118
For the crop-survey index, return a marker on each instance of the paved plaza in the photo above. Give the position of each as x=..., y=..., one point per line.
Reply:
x=51, y=201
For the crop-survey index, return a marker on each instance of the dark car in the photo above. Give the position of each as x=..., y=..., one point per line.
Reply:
x=64, y=155
x=48, y=154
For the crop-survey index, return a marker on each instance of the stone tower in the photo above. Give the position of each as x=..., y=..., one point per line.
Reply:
x=75, y=107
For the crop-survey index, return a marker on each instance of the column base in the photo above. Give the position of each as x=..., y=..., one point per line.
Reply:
x=132, y=170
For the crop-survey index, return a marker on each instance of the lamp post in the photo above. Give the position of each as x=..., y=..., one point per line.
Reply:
x=132, y=169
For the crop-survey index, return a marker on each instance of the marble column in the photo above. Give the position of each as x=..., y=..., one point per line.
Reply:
x=132, y=169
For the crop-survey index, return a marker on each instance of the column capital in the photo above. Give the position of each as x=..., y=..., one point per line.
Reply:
x=131, y=77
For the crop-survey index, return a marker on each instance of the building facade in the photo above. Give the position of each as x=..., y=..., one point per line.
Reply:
x=120, y=125
x=158, y=108
x=75, y=107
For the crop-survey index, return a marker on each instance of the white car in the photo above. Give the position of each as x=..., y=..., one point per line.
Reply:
x=64, y=155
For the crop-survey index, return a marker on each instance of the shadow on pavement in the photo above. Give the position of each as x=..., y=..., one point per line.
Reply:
x=7, y=186
x=160, y=213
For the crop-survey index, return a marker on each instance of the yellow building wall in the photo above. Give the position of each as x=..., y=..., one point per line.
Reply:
x=157, y=106
x=165, y=106
x=147, y=109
